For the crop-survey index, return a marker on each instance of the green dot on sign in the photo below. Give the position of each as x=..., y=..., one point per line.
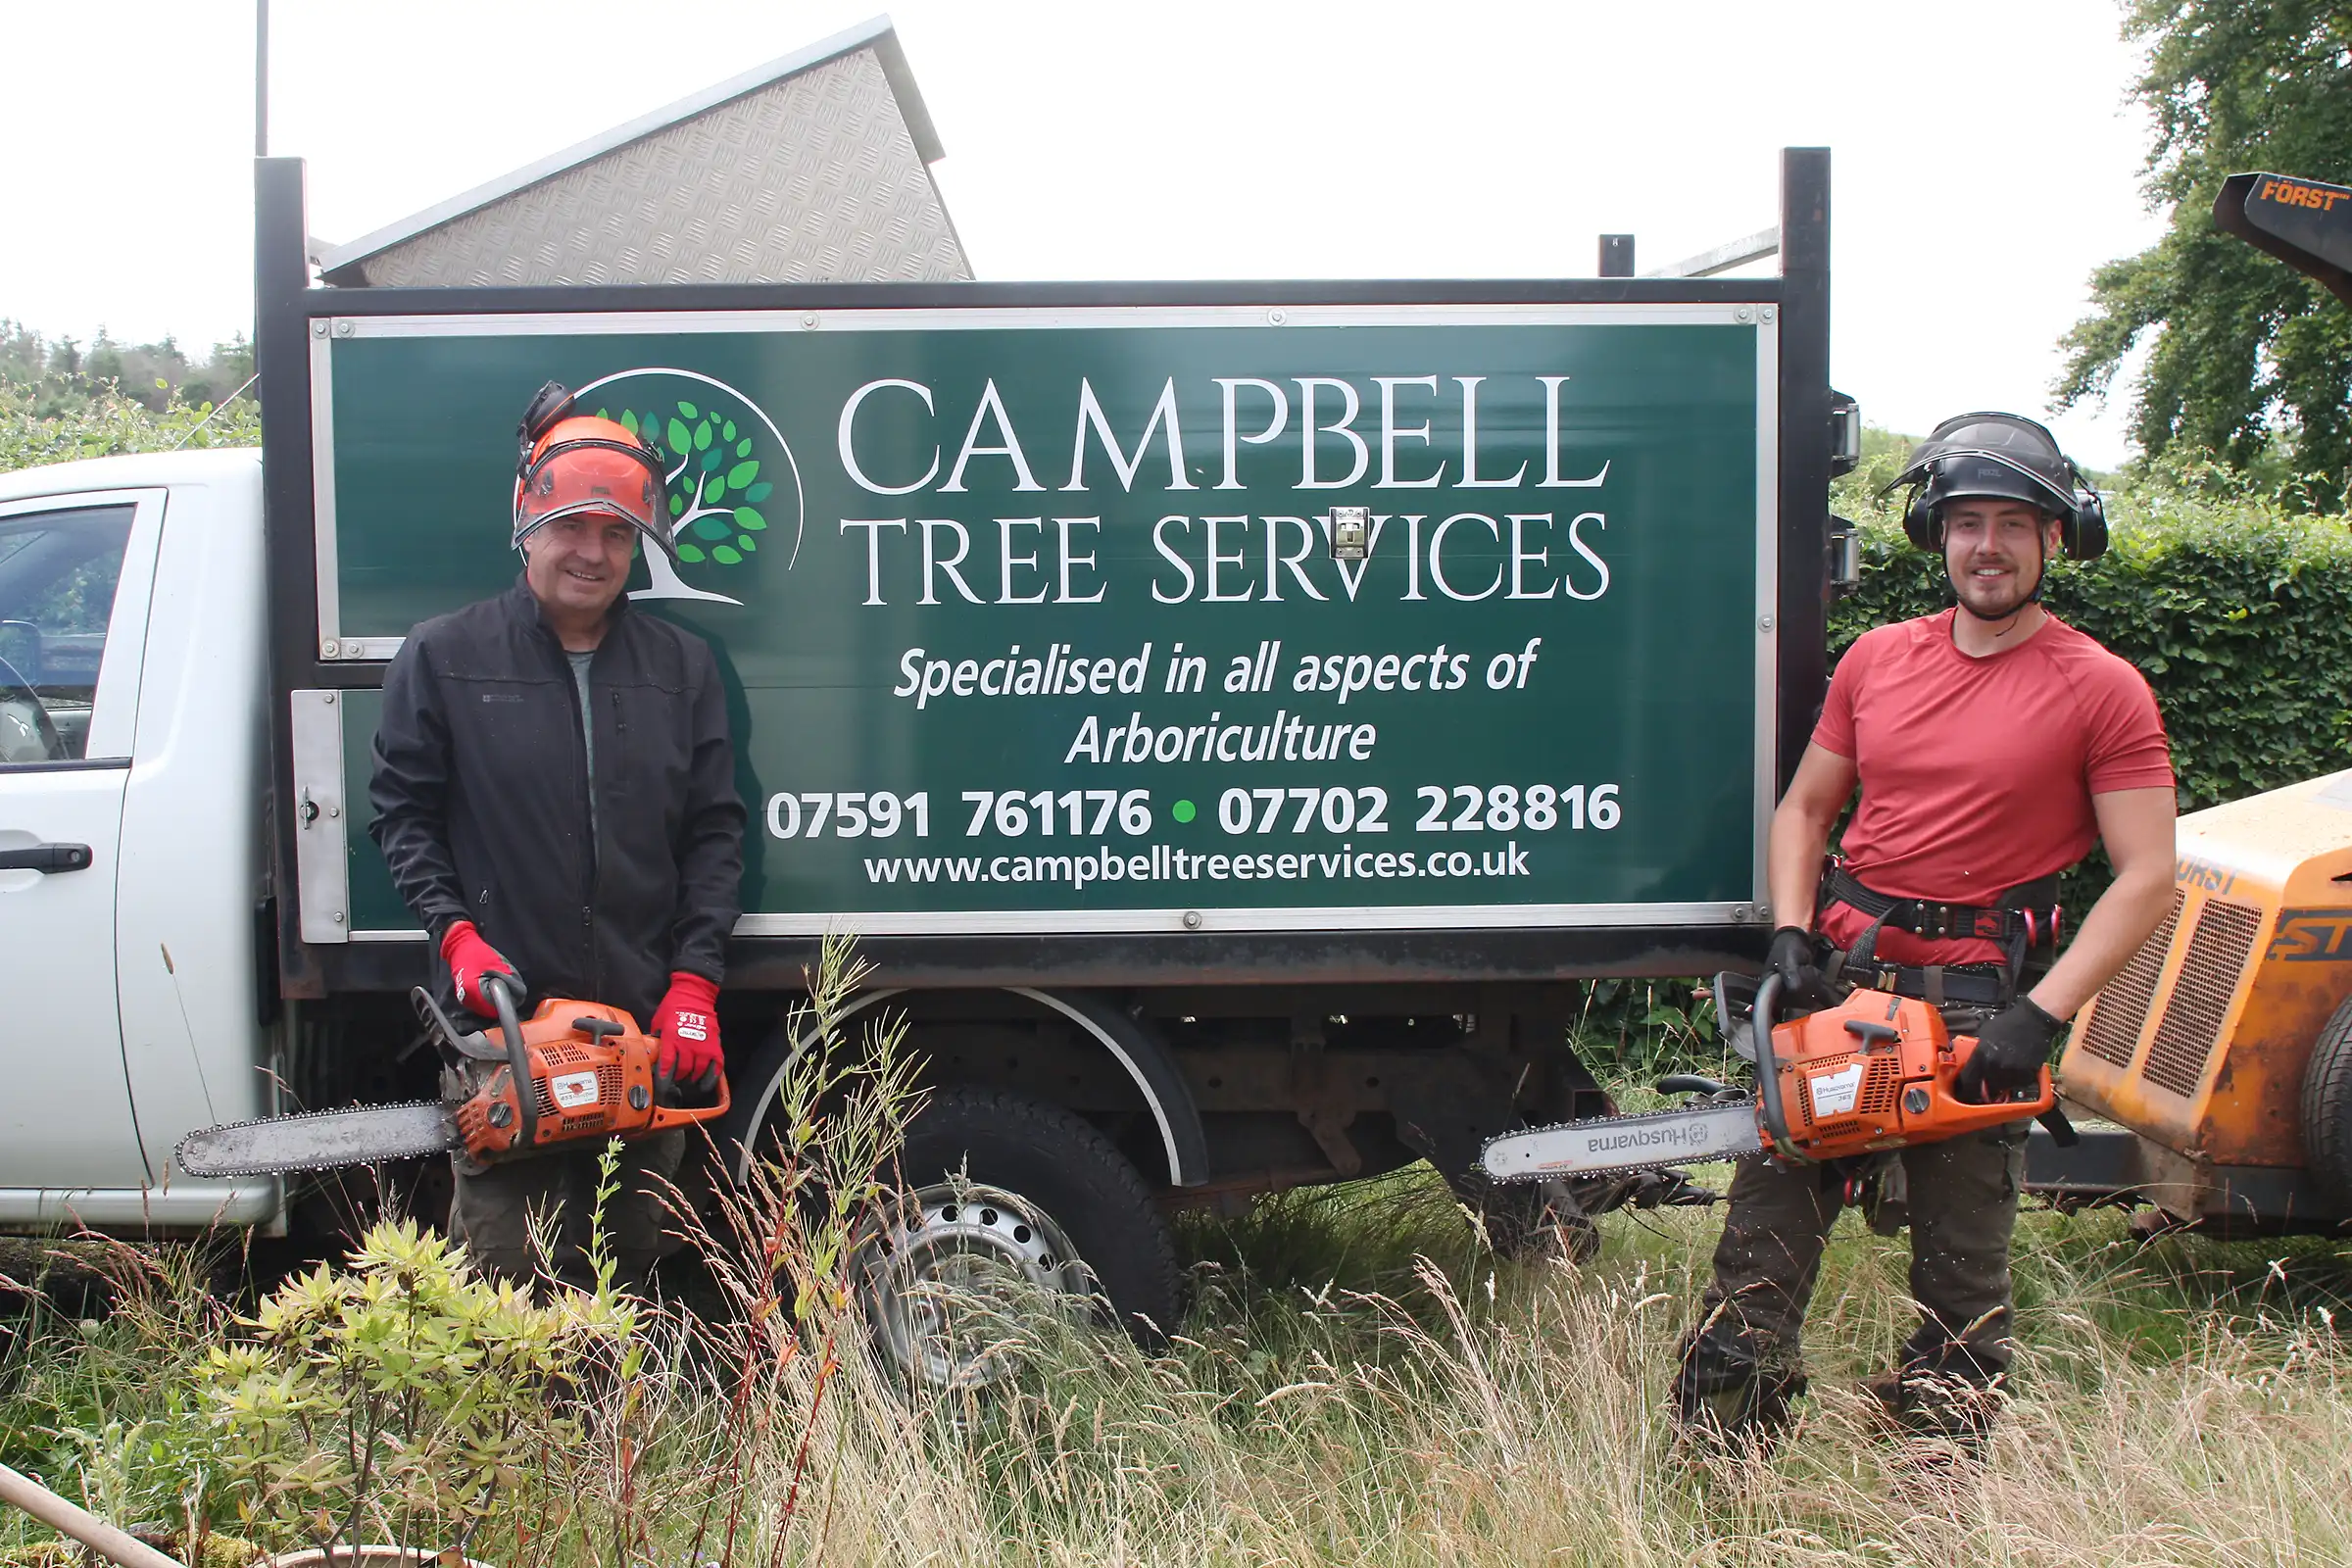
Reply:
x=1181, y=811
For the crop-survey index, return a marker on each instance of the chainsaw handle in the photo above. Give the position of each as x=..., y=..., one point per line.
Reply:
x=669, y=1116
x=1956, y=1053
x=1768, y=1069
x=500, y=992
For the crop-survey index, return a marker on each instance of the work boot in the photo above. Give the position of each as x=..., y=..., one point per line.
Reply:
x=1956, y=1413
x=1727, y=1403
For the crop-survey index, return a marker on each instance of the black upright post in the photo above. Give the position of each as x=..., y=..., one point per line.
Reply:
x=282, y=358
x=1804, y=590
x=1616, y=256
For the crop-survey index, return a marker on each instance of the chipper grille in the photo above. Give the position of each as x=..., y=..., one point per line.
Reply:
x=2208, y=983
x=2123, y=1008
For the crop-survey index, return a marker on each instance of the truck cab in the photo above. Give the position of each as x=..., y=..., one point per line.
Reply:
x=133, y=868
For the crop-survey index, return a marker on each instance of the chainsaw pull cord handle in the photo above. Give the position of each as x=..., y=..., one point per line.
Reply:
x=1768, y=1069
x=500, y=992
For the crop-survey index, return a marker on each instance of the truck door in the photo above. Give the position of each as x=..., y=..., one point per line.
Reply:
x=75, y=573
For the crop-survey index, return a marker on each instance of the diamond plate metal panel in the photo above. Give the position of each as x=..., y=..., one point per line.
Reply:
x=814, y=179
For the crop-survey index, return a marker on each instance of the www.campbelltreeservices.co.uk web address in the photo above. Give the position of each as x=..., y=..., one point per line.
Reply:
x=1163, y=862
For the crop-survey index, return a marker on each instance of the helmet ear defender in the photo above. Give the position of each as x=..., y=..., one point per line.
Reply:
x=550, y=404
x=1920, y=525
x=2085, y=533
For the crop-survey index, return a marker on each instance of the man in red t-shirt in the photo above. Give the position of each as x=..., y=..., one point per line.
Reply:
x=1993, y=744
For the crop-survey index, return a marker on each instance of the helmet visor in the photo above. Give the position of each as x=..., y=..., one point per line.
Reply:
x=574, y=477
x=1991, y=455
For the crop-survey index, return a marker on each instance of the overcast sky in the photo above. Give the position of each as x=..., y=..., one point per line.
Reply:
x=1985, y=156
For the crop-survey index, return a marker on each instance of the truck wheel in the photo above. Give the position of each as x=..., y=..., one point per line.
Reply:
x=1008, y=1200
x=2327, y=1110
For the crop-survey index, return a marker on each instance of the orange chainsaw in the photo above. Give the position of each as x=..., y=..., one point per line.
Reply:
x=1874, y=1072
x=576, y=1070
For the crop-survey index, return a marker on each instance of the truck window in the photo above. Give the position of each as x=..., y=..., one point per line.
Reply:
x=57, y=594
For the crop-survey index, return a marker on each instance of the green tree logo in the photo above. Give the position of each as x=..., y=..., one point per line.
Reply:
x=733, y=486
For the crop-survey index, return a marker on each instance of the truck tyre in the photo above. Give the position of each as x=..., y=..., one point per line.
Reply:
x=1010, y=1200
x=2328, y=1110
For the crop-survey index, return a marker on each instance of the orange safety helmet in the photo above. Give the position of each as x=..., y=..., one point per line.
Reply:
x=569, y=463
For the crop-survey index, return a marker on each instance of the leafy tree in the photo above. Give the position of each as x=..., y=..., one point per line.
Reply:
x=62, y=377
x=2251, y=361
x=715, y=489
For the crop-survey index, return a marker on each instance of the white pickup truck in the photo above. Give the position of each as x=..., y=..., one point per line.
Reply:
x=133, y=788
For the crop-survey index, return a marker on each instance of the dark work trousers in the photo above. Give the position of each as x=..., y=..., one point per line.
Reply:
x=492, y=1213
x=1962, y=1198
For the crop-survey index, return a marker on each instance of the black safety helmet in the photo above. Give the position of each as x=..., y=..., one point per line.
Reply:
x=2006, y=455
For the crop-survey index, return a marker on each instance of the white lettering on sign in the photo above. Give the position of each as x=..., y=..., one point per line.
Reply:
x=1544, y=554
x=1834, y=1093
x=572, y=1090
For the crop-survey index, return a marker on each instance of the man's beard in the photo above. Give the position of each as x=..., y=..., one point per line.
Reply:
x=2001, y=612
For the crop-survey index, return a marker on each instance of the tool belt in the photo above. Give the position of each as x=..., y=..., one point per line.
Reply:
x=2029, y=910
x=2025, y=922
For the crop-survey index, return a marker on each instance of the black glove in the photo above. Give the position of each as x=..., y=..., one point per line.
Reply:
x=1793, y=956
x=2011, y=1049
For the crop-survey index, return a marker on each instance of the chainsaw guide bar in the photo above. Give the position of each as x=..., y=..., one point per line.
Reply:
x=319, y=1140
x=1610, y=1146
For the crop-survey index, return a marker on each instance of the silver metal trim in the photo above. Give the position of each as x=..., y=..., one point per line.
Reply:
x=321, y=843
x=1768, y=578
x=875, y=33
x=1722, y=257
x=184, y=1206
x=1177, y=1175
x=1132, y=922
x=757, y=1104
x=1363, y=918
x=974, y=318
x=360, y=649
x=327, y=577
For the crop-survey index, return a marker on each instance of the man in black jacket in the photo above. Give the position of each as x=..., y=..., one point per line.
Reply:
x=555, y=795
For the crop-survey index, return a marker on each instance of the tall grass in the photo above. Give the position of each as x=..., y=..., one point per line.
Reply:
x=1357, y=1380
x=1357, y=1383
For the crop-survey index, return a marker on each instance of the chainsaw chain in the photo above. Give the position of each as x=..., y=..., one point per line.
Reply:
x=324, y=1161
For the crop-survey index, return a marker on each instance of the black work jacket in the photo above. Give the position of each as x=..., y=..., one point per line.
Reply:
x=482, y=800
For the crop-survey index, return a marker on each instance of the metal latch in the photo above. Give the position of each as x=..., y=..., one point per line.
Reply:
x=1350, y=532
x=1846, y=555
x=1845, y=434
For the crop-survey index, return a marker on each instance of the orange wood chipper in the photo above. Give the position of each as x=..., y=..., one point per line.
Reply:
x=2225, y=1046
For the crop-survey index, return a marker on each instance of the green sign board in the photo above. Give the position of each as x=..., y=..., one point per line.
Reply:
x=1045, y=619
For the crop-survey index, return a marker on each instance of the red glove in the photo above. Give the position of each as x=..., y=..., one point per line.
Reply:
x=469, y=958
x=687, y=1024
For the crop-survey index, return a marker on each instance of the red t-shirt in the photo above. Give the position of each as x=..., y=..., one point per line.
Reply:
x=1977, y=773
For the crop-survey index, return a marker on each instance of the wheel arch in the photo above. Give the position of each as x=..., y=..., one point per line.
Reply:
x=1128, y=1040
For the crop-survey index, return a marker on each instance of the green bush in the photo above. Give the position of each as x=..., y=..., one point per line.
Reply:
x=406, y=1394
x=107, y=420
